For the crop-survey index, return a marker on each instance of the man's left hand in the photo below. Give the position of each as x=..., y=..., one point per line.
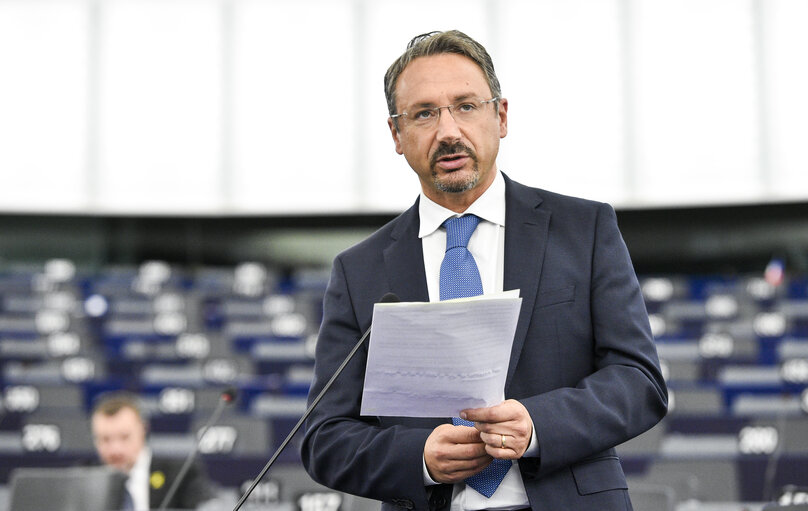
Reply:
x=507, y=423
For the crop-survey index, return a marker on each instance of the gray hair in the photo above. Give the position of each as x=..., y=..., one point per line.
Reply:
x=436, y=43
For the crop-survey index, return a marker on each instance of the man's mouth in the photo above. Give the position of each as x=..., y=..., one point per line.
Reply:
x=452, y=161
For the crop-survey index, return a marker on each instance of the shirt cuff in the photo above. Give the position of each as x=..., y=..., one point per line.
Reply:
x=533, y=449
x=428, y=481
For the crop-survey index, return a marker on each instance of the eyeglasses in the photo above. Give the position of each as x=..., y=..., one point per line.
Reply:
x=464, y=111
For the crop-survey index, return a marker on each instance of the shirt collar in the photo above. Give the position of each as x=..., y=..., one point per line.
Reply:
x=142, y=463
x=489, y=206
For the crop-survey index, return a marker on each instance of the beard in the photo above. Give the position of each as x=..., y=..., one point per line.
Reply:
x=452, y=183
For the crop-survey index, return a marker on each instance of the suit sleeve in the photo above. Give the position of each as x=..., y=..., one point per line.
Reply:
x=340, y=449
x=624, y=394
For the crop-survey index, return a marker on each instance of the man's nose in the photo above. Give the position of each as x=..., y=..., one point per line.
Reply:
x=115, y=448
x=448, y=129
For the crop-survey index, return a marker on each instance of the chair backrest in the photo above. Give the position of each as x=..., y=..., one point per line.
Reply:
x=236, y=435
x=698, y=401
x=652, y=497
x=66, y=489
x=647, y=443
x=715, y=480
x=72, y=428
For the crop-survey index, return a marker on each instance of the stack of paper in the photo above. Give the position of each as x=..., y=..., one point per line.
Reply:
x=433, y=359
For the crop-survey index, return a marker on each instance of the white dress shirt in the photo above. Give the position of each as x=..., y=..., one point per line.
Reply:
x=138, y=482
x=487, y=245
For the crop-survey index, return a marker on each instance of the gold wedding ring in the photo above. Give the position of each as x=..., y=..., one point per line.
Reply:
x=503, y=441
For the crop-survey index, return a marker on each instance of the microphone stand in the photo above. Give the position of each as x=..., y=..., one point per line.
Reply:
x=226, y=398
x=388, y=298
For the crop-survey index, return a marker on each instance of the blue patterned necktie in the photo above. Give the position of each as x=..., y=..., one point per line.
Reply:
x=460, y=278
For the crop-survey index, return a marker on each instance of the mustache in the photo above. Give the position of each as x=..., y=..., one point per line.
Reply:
x=445, y=149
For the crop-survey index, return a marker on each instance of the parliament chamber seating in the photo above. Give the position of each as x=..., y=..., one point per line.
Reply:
x=734, y=351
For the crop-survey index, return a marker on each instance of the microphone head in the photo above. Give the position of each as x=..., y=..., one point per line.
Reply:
x=229, y=395
x=390, y=298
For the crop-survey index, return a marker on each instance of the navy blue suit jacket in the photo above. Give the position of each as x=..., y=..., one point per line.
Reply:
x=195, y=489
x=583, y=361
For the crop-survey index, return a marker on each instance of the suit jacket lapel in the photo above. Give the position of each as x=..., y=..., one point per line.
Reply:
x=157, y=493
x=404, y=259
x=526, y=231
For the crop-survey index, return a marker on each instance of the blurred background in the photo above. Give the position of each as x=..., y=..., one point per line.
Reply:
x=176, y=176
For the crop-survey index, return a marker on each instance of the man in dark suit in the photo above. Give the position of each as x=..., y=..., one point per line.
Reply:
x=119, y=434
x=583, y=375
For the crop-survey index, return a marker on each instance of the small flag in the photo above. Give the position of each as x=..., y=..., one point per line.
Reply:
x=775, y=271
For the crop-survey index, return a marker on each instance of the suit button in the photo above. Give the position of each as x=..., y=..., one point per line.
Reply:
x=405, y=503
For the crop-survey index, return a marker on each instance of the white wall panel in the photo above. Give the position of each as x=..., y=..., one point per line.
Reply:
x=43, y=105
x=160, y=106
x=786, y=70
x=294, y=107
x=560, y=67
x=696, y=102
x=277, y=106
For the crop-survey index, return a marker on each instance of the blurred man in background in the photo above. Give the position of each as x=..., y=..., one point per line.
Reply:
x=119, y=434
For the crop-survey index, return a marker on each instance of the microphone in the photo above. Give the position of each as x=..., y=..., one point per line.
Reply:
x=227, y=396
x=387, y=298
x=774, y=457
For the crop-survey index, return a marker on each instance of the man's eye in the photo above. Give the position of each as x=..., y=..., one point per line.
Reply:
x=424, y=114
x=466, y=107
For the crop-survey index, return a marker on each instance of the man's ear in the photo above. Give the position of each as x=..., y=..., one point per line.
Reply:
x=503, y=117
x=396, y=136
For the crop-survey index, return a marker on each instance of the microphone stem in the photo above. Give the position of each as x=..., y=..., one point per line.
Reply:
x=301, y=421
x=175, y=484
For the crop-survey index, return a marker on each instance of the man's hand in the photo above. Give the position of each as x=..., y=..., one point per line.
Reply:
x=507, y=424
x=453, y=453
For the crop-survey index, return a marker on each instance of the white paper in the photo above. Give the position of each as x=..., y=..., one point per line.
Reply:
x=434, y=359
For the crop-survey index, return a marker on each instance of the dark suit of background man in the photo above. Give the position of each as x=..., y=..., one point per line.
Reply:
x=584, y=374
x=119, y=434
